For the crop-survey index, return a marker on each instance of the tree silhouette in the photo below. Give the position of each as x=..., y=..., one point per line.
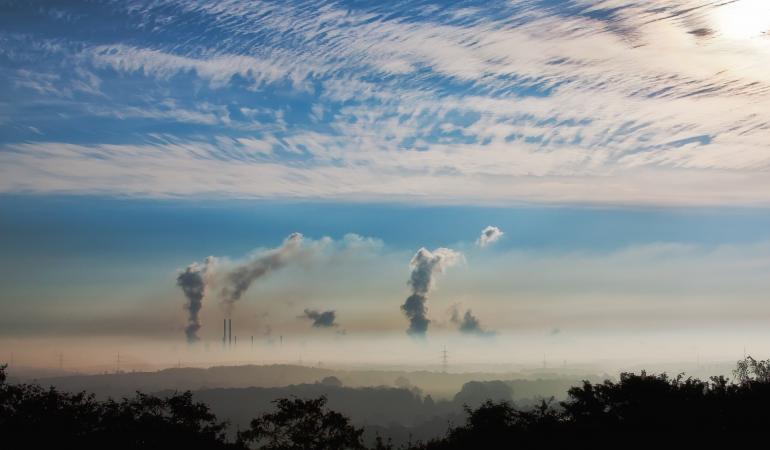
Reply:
x=35, y=417
x=303, y=425
x=750, y=370
x=637, y=410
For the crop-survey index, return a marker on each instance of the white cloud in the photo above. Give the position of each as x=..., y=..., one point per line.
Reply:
x=218, y=70
x=170, y=167
x=631, y=108
x=202, y=116
x=489, y=235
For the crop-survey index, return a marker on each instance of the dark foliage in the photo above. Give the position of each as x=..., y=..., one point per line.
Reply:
x=303, y=425
x=636, y=411
x=34, y=417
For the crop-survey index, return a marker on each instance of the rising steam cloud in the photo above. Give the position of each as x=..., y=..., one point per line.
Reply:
x=489, y=235
x=192, y=280
x=321, y=319
x=425, y=264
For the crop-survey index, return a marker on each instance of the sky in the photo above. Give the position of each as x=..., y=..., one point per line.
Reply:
x=619, y=151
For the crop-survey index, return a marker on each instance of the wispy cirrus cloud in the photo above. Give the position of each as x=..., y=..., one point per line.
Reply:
x=586, y=101
x=226, y=167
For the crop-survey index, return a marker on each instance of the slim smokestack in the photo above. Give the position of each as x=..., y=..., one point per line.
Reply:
x=230, y=332
x=224, y=334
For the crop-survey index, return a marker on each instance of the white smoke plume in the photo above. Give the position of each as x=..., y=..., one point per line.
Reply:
x=425, y=265
x=489, y=235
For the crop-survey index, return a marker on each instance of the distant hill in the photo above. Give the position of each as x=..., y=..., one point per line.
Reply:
x=438, y=385
x=403, y=405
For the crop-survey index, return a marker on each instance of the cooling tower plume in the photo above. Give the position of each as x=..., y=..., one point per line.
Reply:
x=238, y=280
x=321, y=319
x=192, y=280
x=489, y=235
x=425, y=265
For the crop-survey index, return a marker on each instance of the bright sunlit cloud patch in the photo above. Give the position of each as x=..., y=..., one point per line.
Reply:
x=743, y=19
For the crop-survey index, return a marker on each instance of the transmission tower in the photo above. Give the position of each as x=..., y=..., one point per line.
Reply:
x=444, y=360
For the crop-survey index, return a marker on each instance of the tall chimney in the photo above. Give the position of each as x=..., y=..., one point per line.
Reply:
x=224, y=334
x=230, y=333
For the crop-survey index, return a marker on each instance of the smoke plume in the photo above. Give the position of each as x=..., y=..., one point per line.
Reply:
x=489, y=235
x=193, y=283
x=425, y=264
x=468, y=323
x=321, y=319
x=238, y=280
x=231, y=280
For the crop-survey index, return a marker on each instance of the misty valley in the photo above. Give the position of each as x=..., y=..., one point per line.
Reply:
x=399, y=405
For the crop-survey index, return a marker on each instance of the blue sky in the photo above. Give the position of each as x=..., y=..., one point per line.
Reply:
x=133, y=228
x=654, y=103
x=621, y=146
x=106, y=250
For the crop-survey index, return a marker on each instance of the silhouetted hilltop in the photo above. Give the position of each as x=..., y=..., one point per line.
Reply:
x=437, y=384
x=125, y=383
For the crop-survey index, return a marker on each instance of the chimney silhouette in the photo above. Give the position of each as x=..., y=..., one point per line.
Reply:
x=230, y=332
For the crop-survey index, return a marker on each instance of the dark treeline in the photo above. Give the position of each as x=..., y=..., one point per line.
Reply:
x=638, y=409
x=436, y=384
